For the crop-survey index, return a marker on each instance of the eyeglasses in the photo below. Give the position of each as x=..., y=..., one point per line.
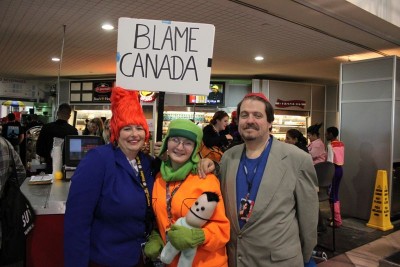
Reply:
x=185, y=143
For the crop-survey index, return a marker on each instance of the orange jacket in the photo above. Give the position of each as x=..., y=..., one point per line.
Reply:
x=217, y=231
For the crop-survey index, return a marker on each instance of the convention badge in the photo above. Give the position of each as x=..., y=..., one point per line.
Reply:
x=245, y=209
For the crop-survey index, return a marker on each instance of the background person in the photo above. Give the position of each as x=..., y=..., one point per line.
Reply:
x=95, y=127
x=5, y=171
x=106, y=131
x=32, y=121
x=59, y=128
x=13, y=131
x=280, y=179
x=316, y=147
x=86, y=130
x=234, y=131
x=176, y=189
x=213, y=133
x=295, y=137
x=336, y=156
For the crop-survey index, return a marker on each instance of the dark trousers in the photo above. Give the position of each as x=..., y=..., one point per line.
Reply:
x=334, y=190
x=140, y=264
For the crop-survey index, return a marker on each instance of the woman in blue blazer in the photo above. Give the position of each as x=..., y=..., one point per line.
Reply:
x=108, y=213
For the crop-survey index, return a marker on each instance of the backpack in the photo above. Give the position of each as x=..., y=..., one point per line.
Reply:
x=17, y=220
x=214, y=153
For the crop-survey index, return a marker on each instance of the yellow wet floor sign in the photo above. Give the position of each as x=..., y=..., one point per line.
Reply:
x=380, y=212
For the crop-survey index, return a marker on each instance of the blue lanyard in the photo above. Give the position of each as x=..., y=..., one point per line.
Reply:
x=250, y=177
x=249, y=186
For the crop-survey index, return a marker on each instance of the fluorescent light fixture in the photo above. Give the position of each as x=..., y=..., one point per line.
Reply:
x=259, y=58
x=107, y=27
x=55, y=59
x=356, y=57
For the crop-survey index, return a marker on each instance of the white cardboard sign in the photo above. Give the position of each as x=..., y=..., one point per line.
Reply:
x=169, y=56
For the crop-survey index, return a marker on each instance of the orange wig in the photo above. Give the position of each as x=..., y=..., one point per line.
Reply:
x=126, y=110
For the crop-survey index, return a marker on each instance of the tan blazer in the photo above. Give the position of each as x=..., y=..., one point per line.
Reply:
x=282, y=229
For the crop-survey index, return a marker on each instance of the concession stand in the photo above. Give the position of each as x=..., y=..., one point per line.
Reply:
x=44, y=245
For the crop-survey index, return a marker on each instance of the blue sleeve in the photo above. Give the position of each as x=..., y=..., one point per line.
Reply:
x=85, y=190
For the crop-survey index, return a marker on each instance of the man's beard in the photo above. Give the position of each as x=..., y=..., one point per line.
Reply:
x=247, y=137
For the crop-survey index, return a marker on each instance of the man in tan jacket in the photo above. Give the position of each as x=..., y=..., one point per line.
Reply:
x=279, y=183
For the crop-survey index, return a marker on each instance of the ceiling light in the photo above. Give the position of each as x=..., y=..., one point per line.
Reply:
x=356, y=57
x=259, y=58
x=55, y=59
x=107, y=27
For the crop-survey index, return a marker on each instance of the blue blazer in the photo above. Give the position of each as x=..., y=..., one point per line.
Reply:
x=105, y=217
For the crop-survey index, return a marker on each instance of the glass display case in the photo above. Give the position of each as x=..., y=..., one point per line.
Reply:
x=283, y=123
x=200, y=118
x=88, y=114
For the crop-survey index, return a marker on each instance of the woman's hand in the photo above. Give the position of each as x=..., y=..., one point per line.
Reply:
x=183, y=238
x=229, y=137
x=157, y=149
x=154, y=245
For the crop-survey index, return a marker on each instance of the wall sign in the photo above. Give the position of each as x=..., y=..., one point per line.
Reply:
x=18, y=89
x=290, y=103
x=165, y=56
x=147, y=96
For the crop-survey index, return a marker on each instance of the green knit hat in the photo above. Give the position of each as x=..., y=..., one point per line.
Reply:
x=184, y=128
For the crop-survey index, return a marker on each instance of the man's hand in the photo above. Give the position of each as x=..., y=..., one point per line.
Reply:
x=205, y=167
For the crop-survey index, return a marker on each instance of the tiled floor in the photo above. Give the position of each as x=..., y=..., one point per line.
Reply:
x=357, y=244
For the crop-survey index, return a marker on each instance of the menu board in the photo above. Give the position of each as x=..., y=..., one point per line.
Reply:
x=17, y=89
x=91, y=91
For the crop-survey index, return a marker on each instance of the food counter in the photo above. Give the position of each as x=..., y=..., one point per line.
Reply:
x=45, y=242
x=283, y=123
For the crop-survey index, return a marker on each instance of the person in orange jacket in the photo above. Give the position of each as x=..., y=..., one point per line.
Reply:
x=175, y=190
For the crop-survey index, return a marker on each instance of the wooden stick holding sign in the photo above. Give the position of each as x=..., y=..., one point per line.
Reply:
x=160, y=115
